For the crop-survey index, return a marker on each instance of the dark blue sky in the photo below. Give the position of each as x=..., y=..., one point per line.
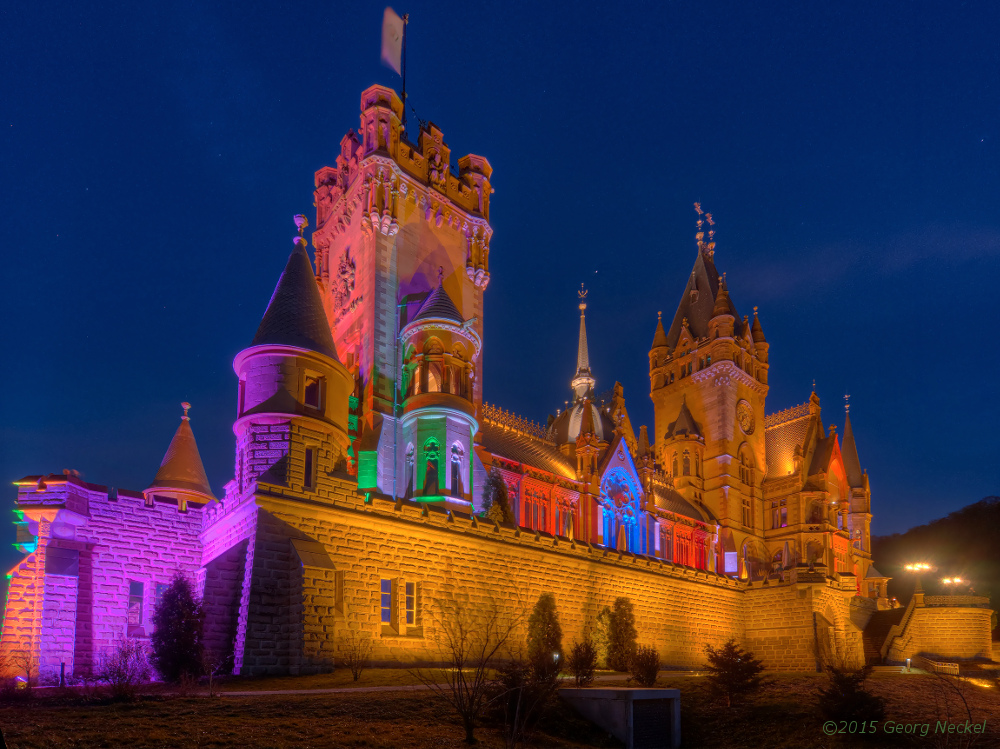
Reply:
x=154, y=153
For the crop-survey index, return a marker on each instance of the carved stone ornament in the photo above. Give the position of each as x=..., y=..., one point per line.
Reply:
x=744, y=417
x=343, y=283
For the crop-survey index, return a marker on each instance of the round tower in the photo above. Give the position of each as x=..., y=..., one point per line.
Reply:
x=291, y=426
x=438, y=421
x=181, y=477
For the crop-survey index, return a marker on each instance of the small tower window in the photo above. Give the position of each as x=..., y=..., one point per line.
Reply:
x=313, y=391
x=687, y=463
x=310, y=461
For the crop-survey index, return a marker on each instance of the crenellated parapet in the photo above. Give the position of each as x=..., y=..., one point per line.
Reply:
x=383, y=180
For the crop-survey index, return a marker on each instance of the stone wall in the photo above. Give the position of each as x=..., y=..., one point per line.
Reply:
x=319, y=564
x=943, y=627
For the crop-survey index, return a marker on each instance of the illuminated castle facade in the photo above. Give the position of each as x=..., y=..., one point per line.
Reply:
x=363, y=446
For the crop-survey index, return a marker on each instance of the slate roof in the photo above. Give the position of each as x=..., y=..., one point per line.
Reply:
x=660, y=336
x=295, y=315
x=699, y=308
x=519, y=447
x=568, y=424
x=182, y=467
x=684, y=424
x=671, y=501
x=439, y=306
x=850, y=452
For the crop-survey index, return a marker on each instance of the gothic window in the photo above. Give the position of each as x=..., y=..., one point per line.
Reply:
x=675, y=465
x=687, y=463
x=697, y=466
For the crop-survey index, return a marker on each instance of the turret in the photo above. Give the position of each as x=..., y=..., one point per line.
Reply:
x=723, y=321
x=181, y=477
x=438, y=423
x=291, y=427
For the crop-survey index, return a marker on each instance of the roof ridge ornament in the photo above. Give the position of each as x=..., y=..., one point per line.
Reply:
x=187, y=407
x=706, y=248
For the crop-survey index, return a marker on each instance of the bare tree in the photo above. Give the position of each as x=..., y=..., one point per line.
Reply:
x=473, y=640
x=357, y=652
x=22, y=661
x=524, y=686
x=124, y=667
x=213, y=663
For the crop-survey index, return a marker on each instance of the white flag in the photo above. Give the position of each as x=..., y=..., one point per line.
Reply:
x=392, y=40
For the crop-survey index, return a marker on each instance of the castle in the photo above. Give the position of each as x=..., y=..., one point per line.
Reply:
x=363, y=445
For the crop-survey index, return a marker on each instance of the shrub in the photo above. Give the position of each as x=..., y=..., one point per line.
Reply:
x=847, y=699
x=496, y=502
x=601, y=635
x=522, y=688
x=582, y=662
x=621, y=635
x=733, y=672
x=124, y=667
x=177, y=640
x=545, y=636
x=357, y=653
x=645, y=665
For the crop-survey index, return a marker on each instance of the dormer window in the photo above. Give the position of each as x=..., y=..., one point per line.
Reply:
x=313, y=391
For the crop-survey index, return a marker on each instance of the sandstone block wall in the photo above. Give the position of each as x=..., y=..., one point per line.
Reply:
x=944, y=632
x=318, y=566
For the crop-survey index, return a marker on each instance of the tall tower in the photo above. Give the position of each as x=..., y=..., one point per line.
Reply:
x=389, y=215
x=292, y=421
x=708, y=383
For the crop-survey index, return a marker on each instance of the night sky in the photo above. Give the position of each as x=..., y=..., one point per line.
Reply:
x=154, y=154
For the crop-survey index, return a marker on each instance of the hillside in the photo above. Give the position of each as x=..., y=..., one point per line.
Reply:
x=965, y=544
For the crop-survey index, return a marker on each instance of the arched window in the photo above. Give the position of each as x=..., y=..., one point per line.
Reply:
x=687, y=463
x=697, y=466
x=675, y=465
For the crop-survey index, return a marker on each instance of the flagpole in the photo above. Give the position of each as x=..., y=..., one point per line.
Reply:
x=406, y=21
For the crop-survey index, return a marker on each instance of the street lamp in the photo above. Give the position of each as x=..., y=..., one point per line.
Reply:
x=917, y=568
x=953, y=583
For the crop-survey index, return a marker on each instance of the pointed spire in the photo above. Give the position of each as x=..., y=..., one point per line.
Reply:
x=583, y=383
x=722, y=301
x=439, y=305
x=643, y=446
x=850, y=449
x=660, y=337
x=684, y=425
x=757, y=331
x=295, y=315
x=182, y=468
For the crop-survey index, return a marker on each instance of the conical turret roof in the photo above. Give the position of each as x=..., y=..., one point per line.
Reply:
x=849, y=450
x=182, y=467
x=439, y=306
x=295, y=315
x=660, y=336
x=756, y=330
x=722, y=304
x=698, y=301
x=684, y=425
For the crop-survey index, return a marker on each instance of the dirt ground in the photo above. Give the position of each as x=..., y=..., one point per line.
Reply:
x=784, y=715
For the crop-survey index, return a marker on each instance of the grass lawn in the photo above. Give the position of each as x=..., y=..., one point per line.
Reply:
x=783, y=716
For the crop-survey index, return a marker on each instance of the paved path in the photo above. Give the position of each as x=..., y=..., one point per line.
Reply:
x=390, y=688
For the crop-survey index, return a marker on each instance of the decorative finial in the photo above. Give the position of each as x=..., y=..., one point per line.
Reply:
x=301, y=222
x=847, y=403
x=440, y=275
x=187, y=407
x=659, y=315
x=755, y=311
x=582, y=294
x=814, y=384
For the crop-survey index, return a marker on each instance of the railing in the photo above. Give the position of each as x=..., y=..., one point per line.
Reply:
x=972, y=601
x=512, y=421
x=789, y=414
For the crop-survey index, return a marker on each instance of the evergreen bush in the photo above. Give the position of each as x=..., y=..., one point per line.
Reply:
x=645, y=666
x=177, y=637
x=582, y=662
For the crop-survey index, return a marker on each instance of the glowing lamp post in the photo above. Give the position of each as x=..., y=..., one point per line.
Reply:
x=917, y=568
x=952, y=583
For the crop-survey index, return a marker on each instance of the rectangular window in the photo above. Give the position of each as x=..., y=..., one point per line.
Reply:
x=307, y=480
x=747, y=514
x=160, y=589
x=411, y=604
x=313, y=391
x=386, y=601
x=135, y=593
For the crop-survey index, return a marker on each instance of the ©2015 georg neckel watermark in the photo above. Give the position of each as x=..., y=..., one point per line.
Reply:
x=832, y=727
